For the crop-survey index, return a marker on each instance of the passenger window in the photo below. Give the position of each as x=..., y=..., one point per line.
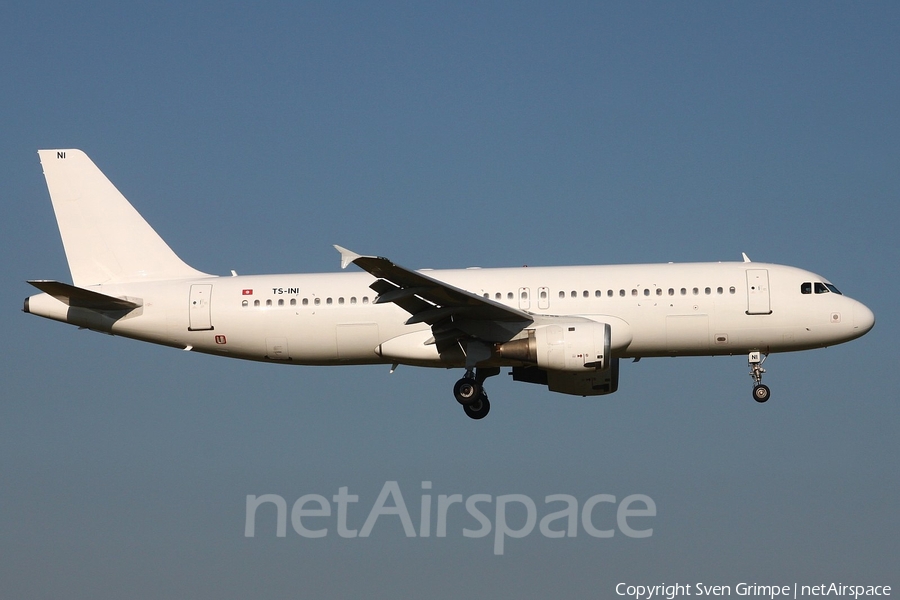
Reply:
x=598, y=294
x=719, y=291
x=646, y=291
x=509, y=295
x=574, y=294
x=562, y=294
x=256, y=303
x=684, y=291
x=306, y=302
x=318, y=301
x=268, y=303
x=281, y=302
x=352, y=299
x=293, y=302
x=622, y=293
x=671, y=291
x=731, y=290
x=707, y=291
x=696, y=291
x=806, y=288
x=543, y=294
x=609, y=293
x=659, y=291
x=329, y=301
x=365, y=299
x=585, y=293
x=245, y=304
x=498, y=296
x=634, y=292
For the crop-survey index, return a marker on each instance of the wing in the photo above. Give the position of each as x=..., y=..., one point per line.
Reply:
x=454, y=314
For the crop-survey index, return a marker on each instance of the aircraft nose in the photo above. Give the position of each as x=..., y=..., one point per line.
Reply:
x=863, y=318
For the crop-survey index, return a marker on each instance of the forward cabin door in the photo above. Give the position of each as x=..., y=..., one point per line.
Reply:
x=200, y=318
x=758, y=292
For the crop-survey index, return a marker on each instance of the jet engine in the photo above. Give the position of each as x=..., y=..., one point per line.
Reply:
x=570, y=358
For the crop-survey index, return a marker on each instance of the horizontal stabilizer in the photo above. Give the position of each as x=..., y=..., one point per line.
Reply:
x=82, y=298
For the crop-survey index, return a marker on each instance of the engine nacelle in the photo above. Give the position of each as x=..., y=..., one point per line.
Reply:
x=579, y=346
x=569, y=358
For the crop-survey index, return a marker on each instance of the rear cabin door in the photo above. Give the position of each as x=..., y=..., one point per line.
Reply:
x=758, y=292
x=200, y=318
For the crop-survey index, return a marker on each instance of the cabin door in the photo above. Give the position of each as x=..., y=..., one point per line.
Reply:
x=758, y=292
x=200, y=317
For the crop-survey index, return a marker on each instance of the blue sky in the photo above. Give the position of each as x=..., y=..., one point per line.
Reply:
x=449, y=135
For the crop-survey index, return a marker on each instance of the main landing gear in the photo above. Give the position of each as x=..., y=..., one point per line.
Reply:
x=469, y=391
x=760, y=392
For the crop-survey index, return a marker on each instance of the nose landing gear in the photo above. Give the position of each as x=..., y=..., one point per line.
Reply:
x=760, y=392
x=469, y=391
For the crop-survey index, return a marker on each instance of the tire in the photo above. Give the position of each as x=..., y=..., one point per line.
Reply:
x=478, y=409
x=466, y=391
x=761, y=393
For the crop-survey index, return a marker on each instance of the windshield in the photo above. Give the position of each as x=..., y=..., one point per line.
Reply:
x=808, y=287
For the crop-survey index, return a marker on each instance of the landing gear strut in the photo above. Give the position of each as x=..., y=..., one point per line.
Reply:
x=760, y=392
x=469, y=391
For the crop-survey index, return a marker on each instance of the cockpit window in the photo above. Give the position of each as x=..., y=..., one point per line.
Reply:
x=824, y=288
x=807, y=287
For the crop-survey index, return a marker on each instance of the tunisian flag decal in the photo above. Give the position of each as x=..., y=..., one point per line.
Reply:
x=247, y=293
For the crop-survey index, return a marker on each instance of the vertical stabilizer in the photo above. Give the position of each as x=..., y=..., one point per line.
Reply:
x=105, y=238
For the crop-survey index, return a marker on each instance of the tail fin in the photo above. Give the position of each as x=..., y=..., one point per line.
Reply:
x=105, y=239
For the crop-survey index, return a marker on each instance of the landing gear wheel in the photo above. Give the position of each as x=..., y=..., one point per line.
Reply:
x=467, y=391
x=479, y=408
x=761, y=393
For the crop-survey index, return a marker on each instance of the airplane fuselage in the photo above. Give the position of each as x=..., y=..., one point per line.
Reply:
x=675, y=309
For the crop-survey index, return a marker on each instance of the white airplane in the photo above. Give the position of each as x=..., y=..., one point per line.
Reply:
x=563, y=327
